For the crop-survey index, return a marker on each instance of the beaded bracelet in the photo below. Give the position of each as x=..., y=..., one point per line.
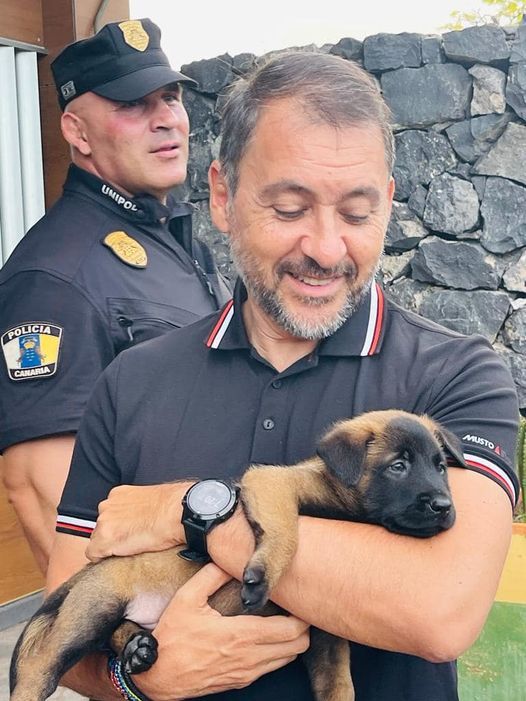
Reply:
x=121, y=681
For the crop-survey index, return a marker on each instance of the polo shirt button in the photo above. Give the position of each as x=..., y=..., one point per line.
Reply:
x=268, y=424
x=277, y=384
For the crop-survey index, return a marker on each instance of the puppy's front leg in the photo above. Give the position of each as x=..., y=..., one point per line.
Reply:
x=271, y=497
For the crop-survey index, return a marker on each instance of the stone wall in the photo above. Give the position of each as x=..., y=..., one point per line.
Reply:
x=456, y=246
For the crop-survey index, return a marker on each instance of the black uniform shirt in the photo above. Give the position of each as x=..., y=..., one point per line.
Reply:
x=203, y=403
x=98, y=273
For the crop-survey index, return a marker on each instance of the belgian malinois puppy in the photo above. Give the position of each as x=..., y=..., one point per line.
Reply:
x=384, y=467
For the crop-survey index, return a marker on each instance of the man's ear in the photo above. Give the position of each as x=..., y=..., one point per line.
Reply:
x=390, y=194
x=344, y=453
x=74, y=133
x=218, y=197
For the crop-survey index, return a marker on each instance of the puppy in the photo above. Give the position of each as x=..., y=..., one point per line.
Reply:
x=383, y=467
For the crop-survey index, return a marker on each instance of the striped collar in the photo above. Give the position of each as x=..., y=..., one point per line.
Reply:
x=361, y=335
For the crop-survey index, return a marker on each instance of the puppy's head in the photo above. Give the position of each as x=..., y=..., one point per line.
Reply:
x=391, y=467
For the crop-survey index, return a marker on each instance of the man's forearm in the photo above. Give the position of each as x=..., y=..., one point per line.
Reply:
x=425, y=597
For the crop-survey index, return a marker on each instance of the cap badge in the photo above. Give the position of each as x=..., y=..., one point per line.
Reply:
x=134, y=34
x=127, y=249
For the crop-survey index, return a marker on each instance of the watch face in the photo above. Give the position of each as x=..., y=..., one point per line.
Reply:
x=210, y=498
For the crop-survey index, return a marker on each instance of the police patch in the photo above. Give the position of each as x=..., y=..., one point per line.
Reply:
x=127, y=249
x=31, y=350
x=134, y=34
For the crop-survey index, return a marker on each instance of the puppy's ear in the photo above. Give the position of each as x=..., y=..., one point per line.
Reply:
x=451, y=445
x=344, y=452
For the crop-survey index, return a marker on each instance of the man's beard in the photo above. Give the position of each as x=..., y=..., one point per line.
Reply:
x=271, y=303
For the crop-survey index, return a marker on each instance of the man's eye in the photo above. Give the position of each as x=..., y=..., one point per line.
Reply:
x=174, y=97
x=289, y=213
x=130, y=104
x=355, y=218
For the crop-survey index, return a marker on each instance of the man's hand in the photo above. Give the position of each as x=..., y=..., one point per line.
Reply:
x=137, y=519
x=202, y=652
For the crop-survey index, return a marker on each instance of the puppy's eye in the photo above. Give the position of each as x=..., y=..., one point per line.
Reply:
x=397, y=467
x=442, y=467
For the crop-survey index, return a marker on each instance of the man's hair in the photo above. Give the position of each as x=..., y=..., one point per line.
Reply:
x=329, y=88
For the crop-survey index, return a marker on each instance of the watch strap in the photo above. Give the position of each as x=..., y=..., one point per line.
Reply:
x=197, y=550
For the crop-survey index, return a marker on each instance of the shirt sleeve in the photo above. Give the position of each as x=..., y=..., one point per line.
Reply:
x=94, y=470
x=55, y=344
x=474, y=397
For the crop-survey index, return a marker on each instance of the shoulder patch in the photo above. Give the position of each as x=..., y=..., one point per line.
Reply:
x=126, y=249
x=31, y=350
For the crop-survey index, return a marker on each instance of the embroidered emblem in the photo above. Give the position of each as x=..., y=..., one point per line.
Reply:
x=68, y=90
x=31, y=350
x=127, y=249
x=134, y=34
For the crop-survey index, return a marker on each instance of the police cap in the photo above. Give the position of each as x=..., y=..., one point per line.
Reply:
x=123, y=61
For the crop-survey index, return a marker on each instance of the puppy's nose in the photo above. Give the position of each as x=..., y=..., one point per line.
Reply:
x=438, y=503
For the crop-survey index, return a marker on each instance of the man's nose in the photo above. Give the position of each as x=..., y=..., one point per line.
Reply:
x=325, y=242
x=167, y=116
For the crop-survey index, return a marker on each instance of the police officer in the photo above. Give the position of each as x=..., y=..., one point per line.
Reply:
x=113, y=263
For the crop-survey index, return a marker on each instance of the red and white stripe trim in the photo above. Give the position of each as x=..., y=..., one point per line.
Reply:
x=75, y=525
x=221, y=326
x=491, y=469
x=374, y=326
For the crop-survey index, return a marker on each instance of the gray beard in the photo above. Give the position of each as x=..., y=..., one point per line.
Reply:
x=269, y=301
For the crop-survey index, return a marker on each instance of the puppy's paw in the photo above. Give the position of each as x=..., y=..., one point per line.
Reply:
x=140, y=653
x=255, y=590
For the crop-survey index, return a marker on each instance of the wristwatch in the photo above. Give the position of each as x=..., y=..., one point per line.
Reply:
x=206, y=504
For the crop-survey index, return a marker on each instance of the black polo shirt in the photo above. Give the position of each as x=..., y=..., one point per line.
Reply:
x=203, y=403
x=98, y=273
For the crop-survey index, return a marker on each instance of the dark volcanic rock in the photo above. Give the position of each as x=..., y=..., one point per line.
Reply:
x=503, y=210
x=410, y=294
x=516, y=88
x=514, y=332
x=211, y=74
x=435, y=93
x=242, y=63
x=507, y=158
x=417, y=201
x=420, y=157
x=405, y=230
x=432, y=50
x=452, y=205
x=348, y=48
x=517, y=365
x=515, y=276
x=205, y=231
x=200, y=108
x=383, y=52
x=462, y=265
x=489, y=86
x=468, y=312
x=473, y=138
x=484, y=44
x=518, y=46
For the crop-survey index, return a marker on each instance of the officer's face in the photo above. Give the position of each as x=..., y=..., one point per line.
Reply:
x=141, y=146
x=307, y=222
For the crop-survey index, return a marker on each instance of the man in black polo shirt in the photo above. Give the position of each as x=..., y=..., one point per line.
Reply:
x=303, y=188
x=111, y=264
